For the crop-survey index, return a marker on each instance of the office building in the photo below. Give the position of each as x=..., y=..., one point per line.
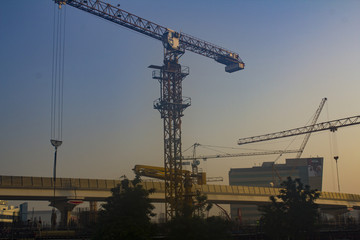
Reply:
x=269, y=174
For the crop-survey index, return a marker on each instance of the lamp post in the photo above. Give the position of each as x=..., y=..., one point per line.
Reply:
x=337, y=171
x=55, y=144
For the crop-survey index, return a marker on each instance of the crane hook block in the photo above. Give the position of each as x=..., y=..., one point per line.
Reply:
x=60, y=2
x=171, y=39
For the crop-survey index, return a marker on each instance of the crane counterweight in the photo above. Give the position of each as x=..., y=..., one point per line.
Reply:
x=234, y=67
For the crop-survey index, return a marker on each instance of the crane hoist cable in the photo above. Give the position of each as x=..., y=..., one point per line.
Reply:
x=57, y=90
x=336, y=155
x=333, y=154
x=58, y=65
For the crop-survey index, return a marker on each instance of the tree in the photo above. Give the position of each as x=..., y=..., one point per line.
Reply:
x=193, y=224
x=201, y=205
x=293, y=213
x=126, y=214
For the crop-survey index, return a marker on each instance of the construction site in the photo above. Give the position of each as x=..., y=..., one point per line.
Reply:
x=129, y=96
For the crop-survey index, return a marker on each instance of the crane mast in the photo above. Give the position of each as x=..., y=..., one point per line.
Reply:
x=171, y=106
x=330, y=125
x=170, y=75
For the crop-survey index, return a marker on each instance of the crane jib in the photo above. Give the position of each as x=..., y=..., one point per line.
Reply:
x=330, y=125
x=114, y=14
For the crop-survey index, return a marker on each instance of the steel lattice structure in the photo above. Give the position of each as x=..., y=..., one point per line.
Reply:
x=316, y=116
x=274, y=152
x=331, y=125
x=171, y=106
x=156, y=31
x=170, y=76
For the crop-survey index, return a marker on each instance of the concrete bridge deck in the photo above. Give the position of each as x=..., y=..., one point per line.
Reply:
x=42, y=188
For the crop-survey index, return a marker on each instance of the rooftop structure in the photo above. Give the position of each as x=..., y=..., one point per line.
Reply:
x=8, y=213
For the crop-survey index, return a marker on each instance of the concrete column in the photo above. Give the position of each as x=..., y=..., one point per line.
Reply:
x=65, y=209
x=337, y=212
x=93, y=211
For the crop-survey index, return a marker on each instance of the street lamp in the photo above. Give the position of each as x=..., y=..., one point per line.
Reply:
x=337, y=171
x=55, y=144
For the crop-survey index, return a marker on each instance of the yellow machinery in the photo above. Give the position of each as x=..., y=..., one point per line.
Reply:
x=186, y=176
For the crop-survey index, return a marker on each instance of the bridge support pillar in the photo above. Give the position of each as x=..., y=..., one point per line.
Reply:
x=65, y=209
x=93, y=211
x=337, y=212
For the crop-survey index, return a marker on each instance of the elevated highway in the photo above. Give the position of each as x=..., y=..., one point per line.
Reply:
x=42, y=188
x=70, y=190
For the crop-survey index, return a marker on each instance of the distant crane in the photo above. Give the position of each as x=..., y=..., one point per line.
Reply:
x=205, y=157
x=170, y=75
x=330, y=125
x=303, y=144
x=307, y=136
x=195, y=159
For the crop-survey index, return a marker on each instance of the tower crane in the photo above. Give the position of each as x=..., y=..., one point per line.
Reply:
x=306, y=139
x=170, y=75
x=195, y=159
x=330, y=125
x=205, y=157
x=307, y=136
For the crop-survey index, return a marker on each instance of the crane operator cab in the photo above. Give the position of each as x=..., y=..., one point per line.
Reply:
x=171, y=40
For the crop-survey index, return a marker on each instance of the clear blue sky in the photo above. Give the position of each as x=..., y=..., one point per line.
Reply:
x=296, y=53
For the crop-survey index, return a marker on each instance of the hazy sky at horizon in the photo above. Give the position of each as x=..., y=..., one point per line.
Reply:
x=296, y=53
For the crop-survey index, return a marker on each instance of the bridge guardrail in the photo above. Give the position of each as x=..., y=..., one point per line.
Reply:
x=106, y=184
x=61, y=183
